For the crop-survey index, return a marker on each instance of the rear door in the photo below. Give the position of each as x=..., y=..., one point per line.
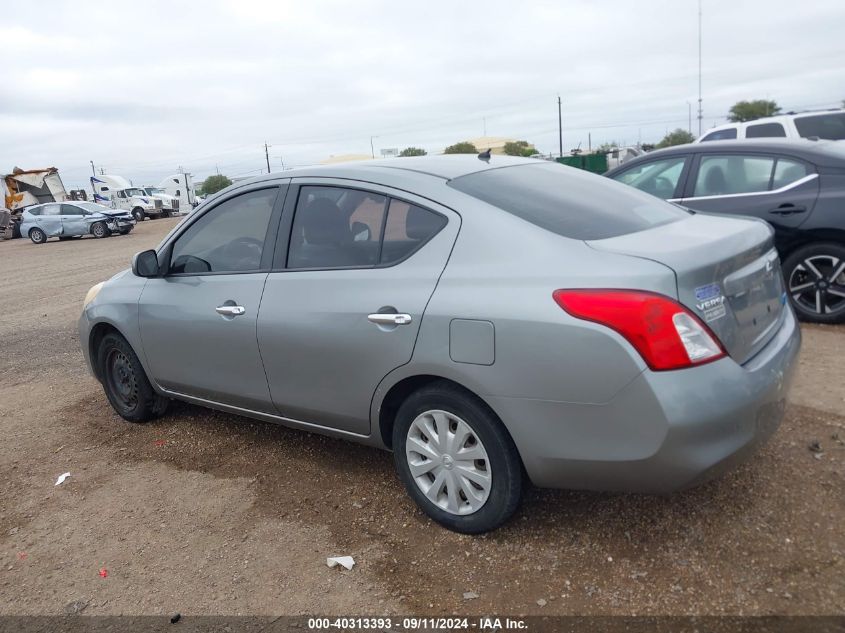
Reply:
x=355, y=267
x=50, y=220
x=779, y=189
x=198, y=321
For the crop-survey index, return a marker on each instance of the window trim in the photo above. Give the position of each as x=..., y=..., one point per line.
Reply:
x=286, y=229
x=281, y=187
x=680, y=186
x=696, y=164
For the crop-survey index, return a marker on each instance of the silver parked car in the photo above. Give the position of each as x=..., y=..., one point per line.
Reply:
x=485, y=320
x=73, y=219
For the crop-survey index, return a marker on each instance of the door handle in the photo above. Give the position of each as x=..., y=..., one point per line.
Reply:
x=390, y=319
x=788, y=209
x=230, y=311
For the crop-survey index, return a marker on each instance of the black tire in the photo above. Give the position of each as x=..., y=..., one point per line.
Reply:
x=16, y=230
x=37, y=236
x=126, y=384
x=100, y=230
x=504, y=465
x=812, y=296
x=126, y=231
x=138, y=214
x=165, y=214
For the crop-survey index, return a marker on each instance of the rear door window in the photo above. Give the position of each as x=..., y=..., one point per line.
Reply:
x=765, y=130
x=568, y=201
x=788, y=171
x=336, y=227
x=51, y=209
x=71, y=209
x=720, y=175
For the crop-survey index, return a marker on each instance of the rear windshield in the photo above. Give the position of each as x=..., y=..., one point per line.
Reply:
x=826, y=126
x=569, y=201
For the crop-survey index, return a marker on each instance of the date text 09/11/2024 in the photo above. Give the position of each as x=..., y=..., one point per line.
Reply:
x=417, y=624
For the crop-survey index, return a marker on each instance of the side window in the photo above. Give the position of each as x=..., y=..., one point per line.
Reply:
x=51, y=209
x=35, y=210
x=720, y=135
x=723, y=175
x=788, y=171
x=334, y=227
x=228, y=238
x=659, y=178
x=765, y=130
x=71, y=209
x=408, y=227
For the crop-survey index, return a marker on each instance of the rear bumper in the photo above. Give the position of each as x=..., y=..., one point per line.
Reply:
x=664, y=431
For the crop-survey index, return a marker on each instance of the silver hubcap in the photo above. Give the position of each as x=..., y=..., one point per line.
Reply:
x=448, y=462
x=818, y=284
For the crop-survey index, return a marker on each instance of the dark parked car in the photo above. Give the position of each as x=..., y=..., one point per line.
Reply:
x=796, y=186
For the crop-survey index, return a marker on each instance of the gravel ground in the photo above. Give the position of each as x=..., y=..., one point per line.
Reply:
x=208, y=513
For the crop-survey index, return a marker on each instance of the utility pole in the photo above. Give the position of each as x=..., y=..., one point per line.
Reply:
x=93, y=171
x=372, y=150
x=267, y=155
x=689, y=118
x=560, y=126
x=699, y=68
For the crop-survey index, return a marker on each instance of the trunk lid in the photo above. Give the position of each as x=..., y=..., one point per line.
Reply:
x=727, y=273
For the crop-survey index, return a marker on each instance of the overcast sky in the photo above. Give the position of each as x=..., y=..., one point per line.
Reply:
x=142, y=88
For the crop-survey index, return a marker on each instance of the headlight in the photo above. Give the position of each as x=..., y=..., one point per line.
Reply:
x=92, y=293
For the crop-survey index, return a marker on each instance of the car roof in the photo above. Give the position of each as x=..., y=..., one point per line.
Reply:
x=446, y=167
x=827, y=153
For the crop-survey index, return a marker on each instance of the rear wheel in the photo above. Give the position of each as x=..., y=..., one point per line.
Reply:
x=126, y=384
x=456, y=459
x=815, y=280
x=99, y=229
x=138, y=214
x=37, y=236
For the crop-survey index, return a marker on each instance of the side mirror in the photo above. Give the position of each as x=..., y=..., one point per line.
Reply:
x=360, y=232
x=145, y=264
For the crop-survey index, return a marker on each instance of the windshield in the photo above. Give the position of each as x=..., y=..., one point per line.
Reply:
x=136, y=192
x=153, y=190
x=827, y=126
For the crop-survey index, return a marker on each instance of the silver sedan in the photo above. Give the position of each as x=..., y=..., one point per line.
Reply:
x=486, y=320
x=65, y=220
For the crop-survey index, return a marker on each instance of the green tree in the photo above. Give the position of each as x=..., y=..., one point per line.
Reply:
x=519, y=148
x=215, y=183
x=749, y=110
x=413, y=151
x=464, y=147
x=676, y=137
x=606, y=148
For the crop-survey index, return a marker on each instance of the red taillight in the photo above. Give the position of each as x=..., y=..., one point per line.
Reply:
x=665, y=333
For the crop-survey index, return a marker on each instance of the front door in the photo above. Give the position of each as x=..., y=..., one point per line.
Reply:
x=198, y=321
x=73, y=220
x=343, y=305
x=780, y=190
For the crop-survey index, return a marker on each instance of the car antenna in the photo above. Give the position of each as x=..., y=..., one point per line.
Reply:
x=485, y=155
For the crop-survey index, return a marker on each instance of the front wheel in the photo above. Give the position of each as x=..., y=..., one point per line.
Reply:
x=126, y=384
x=37, y=236
x=815, y=281
x=456, y=459
x=99, y=229
x=138, y=214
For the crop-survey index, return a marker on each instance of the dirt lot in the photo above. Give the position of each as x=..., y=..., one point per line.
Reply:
x=203, y=512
